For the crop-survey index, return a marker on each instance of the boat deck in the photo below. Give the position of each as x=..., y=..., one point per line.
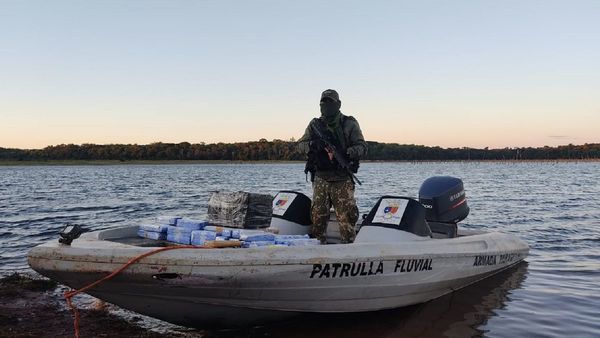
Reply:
x=142, y=242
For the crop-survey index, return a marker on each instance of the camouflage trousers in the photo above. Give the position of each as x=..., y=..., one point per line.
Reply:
x=340, y=194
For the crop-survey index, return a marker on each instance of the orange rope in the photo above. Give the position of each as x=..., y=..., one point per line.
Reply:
x=70, y=294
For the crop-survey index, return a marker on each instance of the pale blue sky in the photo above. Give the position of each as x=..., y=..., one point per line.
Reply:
x=447, y=73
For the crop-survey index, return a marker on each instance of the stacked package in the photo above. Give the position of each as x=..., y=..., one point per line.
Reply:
x=200, y=237
x=181, y=232
x=157, y=232
x=168, y=220
x=151, y=231
x=254, y=238
x=240, y=209
x=268, y=239
x=202, y=233
x=296, y=240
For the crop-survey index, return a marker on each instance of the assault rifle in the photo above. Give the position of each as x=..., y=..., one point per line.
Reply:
x=337, y=155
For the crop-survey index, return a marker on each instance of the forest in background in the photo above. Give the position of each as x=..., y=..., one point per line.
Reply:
x=279, y=150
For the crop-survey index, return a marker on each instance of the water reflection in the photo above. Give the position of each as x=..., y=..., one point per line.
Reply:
x=459, y=314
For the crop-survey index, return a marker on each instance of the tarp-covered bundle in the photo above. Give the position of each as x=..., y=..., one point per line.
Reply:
x=240, y=209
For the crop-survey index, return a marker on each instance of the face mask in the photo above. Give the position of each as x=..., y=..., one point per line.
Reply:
x=330, y=109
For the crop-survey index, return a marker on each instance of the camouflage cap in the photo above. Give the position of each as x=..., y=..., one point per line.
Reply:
x=332, y=94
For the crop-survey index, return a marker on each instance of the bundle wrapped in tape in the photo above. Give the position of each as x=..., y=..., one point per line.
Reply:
x=240, y=209
x=199, y=237
x=162, y=228
x=191, y=224
x=168, y=220
x=181, y=238
x=152, y=234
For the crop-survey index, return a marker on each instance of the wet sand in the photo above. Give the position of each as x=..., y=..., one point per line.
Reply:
x=32, y=308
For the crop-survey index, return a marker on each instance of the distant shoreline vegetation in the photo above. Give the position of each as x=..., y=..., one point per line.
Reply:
x=279, y=150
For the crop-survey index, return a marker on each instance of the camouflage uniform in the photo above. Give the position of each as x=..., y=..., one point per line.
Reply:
x=334, y=187
x=340, y=194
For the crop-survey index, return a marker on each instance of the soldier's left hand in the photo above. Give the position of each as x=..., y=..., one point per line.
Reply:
x=329, y=152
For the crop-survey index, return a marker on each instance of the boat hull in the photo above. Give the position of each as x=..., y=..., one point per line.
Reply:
x=231, y=287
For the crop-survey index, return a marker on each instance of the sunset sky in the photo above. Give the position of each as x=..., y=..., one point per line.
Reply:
x=447, y=73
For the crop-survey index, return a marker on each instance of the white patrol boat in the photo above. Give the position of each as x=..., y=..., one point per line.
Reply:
x=405, y=252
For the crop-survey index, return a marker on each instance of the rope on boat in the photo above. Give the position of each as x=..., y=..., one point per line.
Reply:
x=71, y=293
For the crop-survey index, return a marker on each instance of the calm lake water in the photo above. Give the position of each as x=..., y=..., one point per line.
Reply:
x=554, y=207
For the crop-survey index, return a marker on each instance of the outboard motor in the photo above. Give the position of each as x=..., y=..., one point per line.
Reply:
x=291, y=213
x=394, y=218
x=445, y=203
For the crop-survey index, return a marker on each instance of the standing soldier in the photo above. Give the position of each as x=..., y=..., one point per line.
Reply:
x=334, y=144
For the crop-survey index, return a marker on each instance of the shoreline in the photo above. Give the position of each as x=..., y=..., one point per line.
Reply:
x=25, y=163
x=30, y=307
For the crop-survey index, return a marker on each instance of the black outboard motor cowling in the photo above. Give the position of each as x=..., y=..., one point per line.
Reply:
x=444, y=199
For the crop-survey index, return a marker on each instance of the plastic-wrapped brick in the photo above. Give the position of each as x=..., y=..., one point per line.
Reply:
x=304, y=242
x=155, y=228
x=198, y=237
x=220, y=231
x=235, y=234
x=177, y=230
x=288, y=237
x=181, y=238
x=152, y=234
x=191, y=224
x=258, y=237
x=170, y=220
x=258, y=244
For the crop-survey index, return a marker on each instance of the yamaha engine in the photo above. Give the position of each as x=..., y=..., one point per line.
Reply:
x=445, y=204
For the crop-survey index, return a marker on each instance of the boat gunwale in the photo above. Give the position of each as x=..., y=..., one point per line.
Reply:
x=172, y=258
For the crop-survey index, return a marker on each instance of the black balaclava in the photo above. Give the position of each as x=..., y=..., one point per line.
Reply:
x=330, y=112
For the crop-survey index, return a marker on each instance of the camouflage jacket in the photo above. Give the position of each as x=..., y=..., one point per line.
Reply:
x=353, y=145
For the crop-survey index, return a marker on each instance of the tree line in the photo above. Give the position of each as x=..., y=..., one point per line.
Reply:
x=279, y=150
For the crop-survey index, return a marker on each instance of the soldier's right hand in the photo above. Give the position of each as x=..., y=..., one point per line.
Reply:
x=317, y=145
